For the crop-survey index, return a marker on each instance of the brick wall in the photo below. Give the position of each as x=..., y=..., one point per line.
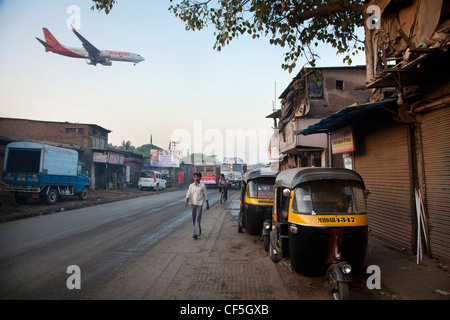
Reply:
x=64, y=134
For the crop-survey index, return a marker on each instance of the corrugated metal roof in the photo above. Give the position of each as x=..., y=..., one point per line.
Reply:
x=60, y=122
x=345, y=117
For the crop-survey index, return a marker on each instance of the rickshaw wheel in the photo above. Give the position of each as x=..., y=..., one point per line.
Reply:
x=266, y=241
x=239, y=223
x=273, y=256
x=339, y=289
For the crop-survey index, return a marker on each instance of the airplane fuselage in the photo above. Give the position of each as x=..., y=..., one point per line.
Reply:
x=88, y=51
x=112, y=55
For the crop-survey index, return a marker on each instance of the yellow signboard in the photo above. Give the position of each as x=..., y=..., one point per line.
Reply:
x=342, y=140
x=349, y=220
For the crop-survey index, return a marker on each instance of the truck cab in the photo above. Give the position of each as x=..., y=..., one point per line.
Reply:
x=35, y=170
x=233, y=169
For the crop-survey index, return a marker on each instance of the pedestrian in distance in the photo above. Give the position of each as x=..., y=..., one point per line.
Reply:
x=195, y=195
x=223, y=183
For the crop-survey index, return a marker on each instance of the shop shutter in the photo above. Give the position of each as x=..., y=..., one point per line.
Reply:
x=436, y=155
x=381, y=158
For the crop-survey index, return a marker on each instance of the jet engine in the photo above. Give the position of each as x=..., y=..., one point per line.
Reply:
x=106, y=63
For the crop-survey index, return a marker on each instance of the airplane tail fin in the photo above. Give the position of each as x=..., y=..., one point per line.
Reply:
x=45, y=44
x=50, y=39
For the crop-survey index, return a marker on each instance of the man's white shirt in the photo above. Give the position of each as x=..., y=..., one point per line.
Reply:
x=197, y=194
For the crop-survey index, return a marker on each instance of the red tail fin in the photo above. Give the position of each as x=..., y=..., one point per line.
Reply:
x=50, y=39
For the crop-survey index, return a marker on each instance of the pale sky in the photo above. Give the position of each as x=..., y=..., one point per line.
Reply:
x=182, y=86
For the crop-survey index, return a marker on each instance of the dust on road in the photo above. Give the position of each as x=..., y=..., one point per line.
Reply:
x=222, y=264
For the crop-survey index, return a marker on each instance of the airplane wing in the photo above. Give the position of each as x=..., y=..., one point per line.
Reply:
x=93, y=51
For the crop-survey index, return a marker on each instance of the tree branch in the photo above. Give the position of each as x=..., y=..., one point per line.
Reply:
x=325, y=11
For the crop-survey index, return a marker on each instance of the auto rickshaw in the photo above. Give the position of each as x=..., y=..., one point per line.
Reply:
x=255, y=214
x=320, y=222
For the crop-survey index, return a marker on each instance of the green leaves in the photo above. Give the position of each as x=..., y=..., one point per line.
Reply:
x=106, y=5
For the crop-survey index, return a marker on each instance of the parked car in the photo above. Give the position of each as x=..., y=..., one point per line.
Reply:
x=168, y=179
x=151, y=180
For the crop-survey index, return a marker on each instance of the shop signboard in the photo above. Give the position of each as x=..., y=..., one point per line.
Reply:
x=115, y=158
x=342, y=140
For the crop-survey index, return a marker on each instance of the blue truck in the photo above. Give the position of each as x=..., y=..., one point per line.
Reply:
x=36, y=170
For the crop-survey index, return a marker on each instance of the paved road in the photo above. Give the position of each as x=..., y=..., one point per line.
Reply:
x=143, y=249
x=36, y=252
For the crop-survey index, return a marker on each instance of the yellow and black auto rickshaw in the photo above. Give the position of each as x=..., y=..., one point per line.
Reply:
x=320, y=222
x=257, y=192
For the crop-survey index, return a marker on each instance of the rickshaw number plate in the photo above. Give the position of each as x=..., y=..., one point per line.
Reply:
x=329, y=220
x=336, y=220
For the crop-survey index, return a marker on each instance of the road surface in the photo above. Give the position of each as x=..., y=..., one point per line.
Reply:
x=143, y=249
x=36, y=252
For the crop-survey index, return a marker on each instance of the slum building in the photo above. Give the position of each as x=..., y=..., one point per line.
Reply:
x=313, y=94
x=90, y=140
x=400, y=145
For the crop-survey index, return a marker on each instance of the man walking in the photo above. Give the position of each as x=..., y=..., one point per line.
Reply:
x=195, y=196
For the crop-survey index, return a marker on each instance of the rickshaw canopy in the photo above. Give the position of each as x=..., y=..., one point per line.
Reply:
x=293, y=177
x=256, y=174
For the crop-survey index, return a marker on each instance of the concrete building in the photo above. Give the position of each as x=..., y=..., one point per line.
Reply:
x=313, y=94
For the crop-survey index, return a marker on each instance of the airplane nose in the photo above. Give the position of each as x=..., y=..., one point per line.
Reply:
x=142, y=58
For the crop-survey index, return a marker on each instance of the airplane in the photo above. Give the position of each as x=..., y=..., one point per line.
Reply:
x=104, y=57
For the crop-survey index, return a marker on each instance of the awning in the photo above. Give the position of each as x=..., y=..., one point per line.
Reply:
x=275, y=114
x=345, y=117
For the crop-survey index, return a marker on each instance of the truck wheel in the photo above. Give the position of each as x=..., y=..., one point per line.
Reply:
x=52, y=196
x=84, y=194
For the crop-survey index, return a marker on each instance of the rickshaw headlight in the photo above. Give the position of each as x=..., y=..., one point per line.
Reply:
x=266, y=225
x=346, y=268
x=293, y=229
